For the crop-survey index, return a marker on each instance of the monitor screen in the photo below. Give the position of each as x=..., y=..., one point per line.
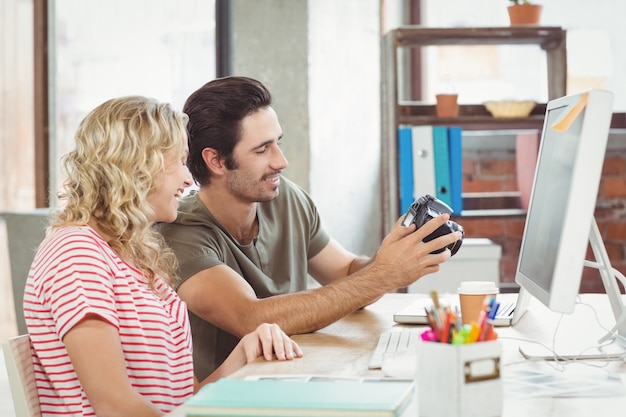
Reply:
x=563, y=198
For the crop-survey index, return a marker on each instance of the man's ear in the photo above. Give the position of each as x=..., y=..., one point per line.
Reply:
x=213, y=161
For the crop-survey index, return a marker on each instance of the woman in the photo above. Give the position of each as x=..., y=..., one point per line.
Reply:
x=110, y=335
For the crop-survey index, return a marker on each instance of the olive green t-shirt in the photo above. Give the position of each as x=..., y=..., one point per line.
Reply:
x=290, y=233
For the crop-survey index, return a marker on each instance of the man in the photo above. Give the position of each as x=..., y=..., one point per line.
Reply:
x=248, y=238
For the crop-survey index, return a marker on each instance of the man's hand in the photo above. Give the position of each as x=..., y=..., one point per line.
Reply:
x=404, y=257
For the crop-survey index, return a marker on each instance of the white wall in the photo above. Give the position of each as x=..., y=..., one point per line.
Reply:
x=320, y=59
x=344, y=111
x=606, y=15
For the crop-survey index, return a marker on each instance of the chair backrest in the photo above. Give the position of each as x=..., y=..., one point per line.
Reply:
x=25, y=230
x=19, y=363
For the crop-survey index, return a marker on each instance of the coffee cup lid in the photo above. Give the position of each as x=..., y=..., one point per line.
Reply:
x=478, y=287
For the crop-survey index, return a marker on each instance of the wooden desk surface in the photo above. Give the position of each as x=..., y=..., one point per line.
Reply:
x=343, y=349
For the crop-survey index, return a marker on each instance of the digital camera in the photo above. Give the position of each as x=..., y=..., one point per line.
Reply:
x=427, y=207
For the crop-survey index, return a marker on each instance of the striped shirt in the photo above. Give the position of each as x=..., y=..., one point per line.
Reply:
x=75, y=273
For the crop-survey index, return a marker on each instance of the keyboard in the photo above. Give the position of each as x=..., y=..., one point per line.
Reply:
x=391, y=342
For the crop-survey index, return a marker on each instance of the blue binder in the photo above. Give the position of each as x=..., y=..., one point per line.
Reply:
x=456, y=168
x=405, y=168
x=441, y=149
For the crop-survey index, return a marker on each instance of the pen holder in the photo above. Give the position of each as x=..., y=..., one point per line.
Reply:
x=459, y=380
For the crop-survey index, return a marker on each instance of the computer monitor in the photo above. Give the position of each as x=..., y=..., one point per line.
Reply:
x=560, y=221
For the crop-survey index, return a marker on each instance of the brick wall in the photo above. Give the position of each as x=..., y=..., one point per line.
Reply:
x=488, y=170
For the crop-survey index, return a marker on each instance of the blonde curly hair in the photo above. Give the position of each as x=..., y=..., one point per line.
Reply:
x=120, y=148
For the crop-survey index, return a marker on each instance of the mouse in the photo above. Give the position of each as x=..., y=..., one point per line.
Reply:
x=402, y=365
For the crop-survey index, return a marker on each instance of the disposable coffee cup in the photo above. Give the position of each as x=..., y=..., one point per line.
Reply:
x=472, y=295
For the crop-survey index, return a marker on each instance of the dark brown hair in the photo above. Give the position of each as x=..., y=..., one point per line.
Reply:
x=215, y=113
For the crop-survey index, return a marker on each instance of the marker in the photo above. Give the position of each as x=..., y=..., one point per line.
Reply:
x=428, y=335
x=461, y=337
x=473, y=334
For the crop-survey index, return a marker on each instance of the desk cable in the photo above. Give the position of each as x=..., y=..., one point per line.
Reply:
x=558, y=361
x=613, y=333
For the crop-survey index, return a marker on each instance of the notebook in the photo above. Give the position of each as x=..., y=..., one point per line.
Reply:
x=512, y=307
x=311, y=398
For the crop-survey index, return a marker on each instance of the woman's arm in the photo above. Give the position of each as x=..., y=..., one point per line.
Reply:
x=96, y=353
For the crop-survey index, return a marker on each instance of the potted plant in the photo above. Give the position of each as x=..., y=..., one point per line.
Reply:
x=522, y=12
x=447, y=105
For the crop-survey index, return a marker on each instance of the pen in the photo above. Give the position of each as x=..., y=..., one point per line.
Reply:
x=459, y=320
x=435, y=298
x=494, y=310
x=445, y=331
x=431, y=320
x=437, y=318
x=485, y=329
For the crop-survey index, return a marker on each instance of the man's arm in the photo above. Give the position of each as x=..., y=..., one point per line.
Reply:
x=222, y=297
x=334, y=262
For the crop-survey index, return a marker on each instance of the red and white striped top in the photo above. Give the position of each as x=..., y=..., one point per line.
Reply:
x=75, y=273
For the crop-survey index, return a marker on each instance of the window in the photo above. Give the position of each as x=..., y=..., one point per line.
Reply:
x=158, y=48
x=99, y=49
x=595, y=35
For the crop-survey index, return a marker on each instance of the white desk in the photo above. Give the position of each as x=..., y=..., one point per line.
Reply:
x=344, y=347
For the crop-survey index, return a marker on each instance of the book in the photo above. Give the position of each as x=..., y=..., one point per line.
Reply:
x=526, y=153
x=441, y=150
x=314, y=398
x=405, y=168
x=455, y=139
x=423, y=161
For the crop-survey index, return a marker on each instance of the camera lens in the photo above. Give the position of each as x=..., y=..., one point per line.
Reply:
x=444, y=229
x=454, y=247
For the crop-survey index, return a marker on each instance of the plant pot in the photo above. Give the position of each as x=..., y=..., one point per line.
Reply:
x=447, y=105
x=525, y=14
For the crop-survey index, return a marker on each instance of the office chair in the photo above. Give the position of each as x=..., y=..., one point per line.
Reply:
x=19, y=364
x=25, y=230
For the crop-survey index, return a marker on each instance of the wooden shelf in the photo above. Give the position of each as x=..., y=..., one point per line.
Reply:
x=394, y=113
x=471, y=117
x=547, y=37
x=476, y=117
x=475, y=122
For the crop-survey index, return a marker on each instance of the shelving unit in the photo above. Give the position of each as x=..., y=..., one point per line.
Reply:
x=471, y=117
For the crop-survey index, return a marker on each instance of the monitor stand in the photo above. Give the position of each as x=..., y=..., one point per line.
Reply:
x=609, y=278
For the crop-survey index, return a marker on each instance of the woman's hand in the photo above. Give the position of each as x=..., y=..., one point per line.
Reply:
x=268, y=340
